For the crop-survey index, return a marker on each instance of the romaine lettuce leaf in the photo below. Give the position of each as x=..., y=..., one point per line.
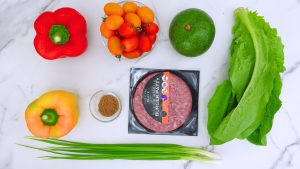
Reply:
x=246, y=108
x=218, y=107
x=258, y=137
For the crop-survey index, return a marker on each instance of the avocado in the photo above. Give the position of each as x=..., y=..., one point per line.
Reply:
x=192, y=32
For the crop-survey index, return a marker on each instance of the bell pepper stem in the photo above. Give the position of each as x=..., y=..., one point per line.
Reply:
x=49, y=117
x=59, y=34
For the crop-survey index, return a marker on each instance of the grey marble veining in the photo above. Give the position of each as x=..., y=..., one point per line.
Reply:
x=292, y=69
x=3, y=111
x=15, y=25
x=286, y=157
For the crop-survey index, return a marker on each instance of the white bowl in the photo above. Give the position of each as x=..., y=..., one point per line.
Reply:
x=104, y=40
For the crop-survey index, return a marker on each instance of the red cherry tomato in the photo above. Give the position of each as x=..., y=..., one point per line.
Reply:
x=152, y=38
x=145, y=44
x=130, y=44
x=127, y=30
x=150, y=28
x=132, y=55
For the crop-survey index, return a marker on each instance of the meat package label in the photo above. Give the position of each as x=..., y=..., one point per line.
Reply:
x=156, y=97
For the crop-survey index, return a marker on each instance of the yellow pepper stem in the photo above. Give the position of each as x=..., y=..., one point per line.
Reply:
x=49, y=117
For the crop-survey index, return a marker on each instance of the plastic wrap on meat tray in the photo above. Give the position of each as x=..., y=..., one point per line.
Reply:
x=163, y=101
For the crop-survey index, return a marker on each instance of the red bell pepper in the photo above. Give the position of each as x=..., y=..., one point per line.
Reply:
x=60, y=34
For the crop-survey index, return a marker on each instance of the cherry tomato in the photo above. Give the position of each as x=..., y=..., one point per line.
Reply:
x=130, y=44
x=146, y=14
x=132, y=55
x=134, y=19
x=127, y=30
x=114, y=46
x=150, y=28
x=152, y=38
x=130, y=7
x=113, y=22
x=145, y=44
x=113, y=8
x=105, y=31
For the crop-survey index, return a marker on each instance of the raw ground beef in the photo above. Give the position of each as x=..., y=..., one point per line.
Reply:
x=180, y=105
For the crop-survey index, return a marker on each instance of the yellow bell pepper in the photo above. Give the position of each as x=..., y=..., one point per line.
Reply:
x=53, y=115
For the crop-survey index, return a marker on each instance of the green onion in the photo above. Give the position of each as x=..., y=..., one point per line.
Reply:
x=64, y=149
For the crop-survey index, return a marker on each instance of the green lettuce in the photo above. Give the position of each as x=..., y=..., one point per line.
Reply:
x=244, y=106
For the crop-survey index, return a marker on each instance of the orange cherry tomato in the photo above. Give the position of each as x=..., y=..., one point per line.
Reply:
x=134, y=19
x=146, y=14
x=132, y=55
x=113, y=22
x=130, y=44
x=130, y=7
x=114, y=46
x=113, y=9
x=107, y=33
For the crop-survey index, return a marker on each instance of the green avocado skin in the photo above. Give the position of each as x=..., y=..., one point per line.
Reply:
x=198, y=39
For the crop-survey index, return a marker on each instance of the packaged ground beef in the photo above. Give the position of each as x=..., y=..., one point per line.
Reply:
x=163, y=101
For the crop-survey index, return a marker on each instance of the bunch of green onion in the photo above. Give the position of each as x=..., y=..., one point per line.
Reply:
x=63, y=149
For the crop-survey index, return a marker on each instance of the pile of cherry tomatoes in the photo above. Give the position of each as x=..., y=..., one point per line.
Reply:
x=130, y=29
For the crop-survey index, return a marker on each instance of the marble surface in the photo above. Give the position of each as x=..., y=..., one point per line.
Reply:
x=24, y=76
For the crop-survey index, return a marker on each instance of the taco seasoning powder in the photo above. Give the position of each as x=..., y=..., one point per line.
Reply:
x=108, y=105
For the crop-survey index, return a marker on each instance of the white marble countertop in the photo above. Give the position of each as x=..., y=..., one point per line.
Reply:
x=24, y=76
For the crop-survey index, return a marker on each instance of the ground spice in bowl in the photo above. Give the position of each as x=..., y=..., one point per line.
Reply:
x=108, y=105
x=105, y=106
